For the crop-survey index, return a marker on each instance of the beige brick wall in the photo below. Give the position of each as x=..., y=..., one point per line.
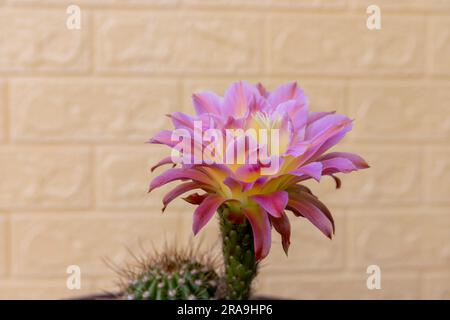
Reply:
x=77, y=105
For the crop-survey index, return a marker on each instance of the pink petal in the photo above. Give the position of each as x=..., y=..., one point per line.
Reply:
x=248, y=172
x=325, y=140
x=337, y=181
x=237, y=99
x=274, y=203
x=207, y=102
x=163, y=137
x=297, y=111
x=287, y=92
x=320, y=126
x=234, y=185
x=286, y=130
x=181, y=120
x=283, y=226
x=262, y=90
x=314, y=116
x=297, y=149
x=313, y=170
x=309, y=197
x=179, y=190
x=357, y=161
x=336, y=165
x=205, y=211
x=316, y=216
x=166, y=160
x=262, y=238
x=332, y=141
x=179, y=174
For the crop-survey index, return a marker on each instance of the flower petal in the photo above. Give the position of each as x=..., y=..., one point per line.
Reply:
x=297, y=111
x=323, y=140
x=337, y=181
x=205, y=211
x=311, y=170
x=309, y=197
x=238, y=98
x=207, y=102
x=336, y=165
x=321, y=125
x=262, y=238
x=287, y=92
x=195, y=198
x=297, y=149
x=234, y=185
x=179, y=174
x=283, y=226
x=163, y=137
x=274, y=203
x=357, y=161
x=314, y=116
x=166, y=160
x=327, y=132
x=181, y=120
x=262, y=90
x=317, y=217
x=179, y=190
x=248, y=172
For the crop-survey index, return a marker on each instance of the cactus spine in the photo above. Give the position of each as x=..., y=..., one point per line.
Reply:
x=172, y=277
x=239, y=256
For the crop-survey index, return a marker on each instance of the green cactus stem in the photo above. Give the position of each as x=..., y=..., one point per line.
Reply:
x=239, y=256
x=172, y=276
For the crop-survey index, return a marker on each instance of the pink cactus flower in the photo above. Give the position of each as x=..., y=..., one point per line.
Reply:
x=258, y=191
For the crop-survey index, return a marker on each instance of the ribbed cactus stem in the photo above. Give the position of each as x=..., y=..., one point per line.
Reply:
x=173, y=278
x=239, y=256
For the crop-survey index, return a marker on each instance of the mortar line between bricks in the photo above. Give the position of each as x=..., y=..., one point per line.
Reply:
x=435, y=79
x=347, y=86
x=8, y=244
x=266, y=48
x=92, y=36
x=346, y=240
x=225, y=76
x=185, y=7
x=421, y=284
x=93, y=164
x=428, y=49
x=7, y=120
x=378, y=144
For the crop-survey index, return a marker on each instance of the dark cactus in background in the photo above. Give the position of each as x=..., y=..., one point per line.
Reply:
x=172, y=276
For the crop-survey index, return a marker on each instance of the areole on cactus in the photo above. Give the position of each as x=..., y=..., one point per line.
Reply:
x=173, y=274
x=247, y=177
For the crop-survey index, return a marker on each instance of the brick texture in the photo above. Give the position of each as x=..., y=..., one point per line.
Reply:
x=438, y=177
x=2, y=112
x=45, y=178
x=76, y=107
x=381, y=236
x=92, y=110
x=3, y=246
x=238, y=38
x=42, y=42
x=86, y=240
x=327, y=51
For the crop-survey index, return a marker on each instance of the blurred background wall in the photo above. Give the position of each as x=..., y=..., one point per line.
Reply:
x=76, y=107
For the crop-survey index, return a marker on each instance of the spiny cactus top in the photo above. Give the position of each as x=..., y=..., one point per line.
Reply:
x=249, y=151
x=172, y=275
